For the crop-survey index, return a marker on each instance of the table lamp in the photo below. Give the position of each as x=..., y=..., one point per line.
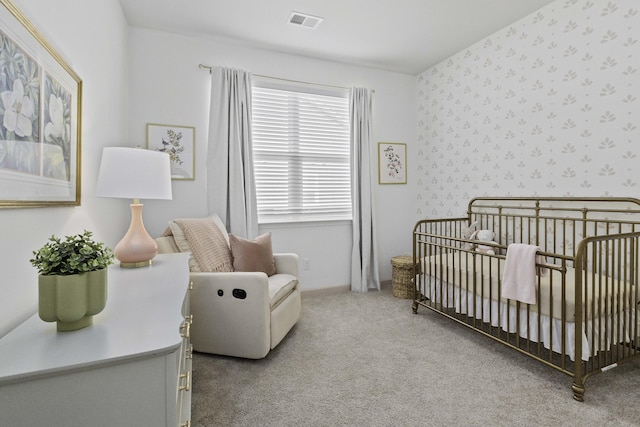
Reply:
x=134, y=173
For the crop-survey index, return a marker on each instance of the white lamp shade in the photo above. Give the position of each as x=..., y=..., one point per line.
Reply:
x=134, y=173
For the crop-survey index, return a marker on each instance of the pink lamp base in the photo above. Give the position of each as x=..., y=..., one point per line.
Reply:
x=137, y=248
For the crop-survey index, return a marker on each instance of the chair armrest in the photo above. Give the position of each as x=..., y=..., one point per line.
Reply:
x=226, y=324
x=227, y=281
x=287, y=263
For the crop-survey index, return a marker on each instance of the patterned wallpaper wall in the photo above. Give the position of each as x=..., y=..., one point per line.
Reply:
x=547, y=106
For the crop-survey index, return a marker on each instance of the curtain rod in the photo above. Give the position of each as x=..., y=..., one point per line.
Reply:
x=208, y=67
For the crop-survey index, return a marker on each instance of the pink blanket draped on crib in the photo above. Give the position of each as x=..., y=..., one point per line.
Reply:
x=519, y=279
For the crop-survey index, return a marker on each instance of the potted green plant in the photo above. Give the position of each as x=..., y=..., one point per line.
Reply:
x=72, y=281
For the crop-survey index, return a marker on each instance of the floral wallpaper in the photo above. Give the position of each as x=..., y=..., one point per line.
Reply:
x=548, y=106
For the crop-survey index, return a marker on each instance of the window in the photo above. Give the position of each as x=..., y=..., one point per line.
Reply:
x=301, y=152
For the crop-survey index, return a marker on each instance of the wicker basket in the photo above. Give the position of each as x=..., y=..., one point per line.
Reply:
x=401, y=276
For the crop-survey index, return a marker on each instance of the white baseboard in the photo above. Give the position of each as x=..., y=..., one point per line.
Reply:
x=335, y=289
x=325, y=291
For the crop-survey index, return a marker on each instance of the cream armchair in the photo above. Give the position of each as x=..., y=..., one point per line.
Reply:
x=242, y=314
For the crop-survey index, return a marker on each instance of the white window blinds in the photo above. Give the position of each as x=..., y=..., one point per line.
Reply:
x=301, y=152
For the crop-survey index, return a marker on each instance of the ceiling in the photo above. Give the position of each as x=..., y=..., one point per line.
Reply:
x=406, y=36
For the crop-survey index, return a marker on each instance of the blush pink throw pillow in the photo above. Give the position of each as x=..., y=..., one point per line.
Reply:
x=253, y=255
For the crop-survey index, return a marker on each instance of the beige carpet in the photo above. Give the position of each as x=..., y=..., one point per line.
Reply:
x=367, y=360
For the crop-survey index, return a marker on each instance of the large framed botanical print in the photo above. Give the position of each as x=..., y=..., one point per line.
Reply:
x=40, y=114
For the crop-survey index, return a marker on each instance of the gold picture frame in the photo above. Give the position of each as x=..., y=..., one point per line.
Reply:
x=392, y=163
x=179, y=143
x=40, y=118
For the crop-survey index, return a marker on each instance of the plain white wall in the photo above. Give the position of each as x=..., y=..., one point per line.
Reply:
x=92, y=37
x=168, y=87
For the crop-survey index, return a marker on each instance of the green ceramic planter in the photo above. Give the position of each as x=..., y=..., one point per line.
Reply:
x=72, y=300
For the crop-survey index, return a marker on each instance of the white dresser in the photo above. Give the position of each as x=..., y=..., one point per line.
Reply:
x=132, y=367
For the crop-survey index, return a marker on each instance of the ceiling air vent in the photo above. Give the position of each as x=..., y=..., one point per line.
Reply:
x=303, y=20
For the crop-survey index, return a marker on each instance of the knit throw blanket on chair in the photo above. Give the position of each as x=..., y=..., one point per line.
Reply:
x=208, y=245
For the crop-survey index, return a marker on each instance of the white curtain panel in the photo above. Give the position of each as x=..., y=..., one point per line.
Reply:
x=230, y=180
x=364, y=260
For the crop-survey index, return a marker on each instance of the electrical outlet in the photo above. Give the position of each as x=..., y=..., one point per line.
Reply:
x=306, y=264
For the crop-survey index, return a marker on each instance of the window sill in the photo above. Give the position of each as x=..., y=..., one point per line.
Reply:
x=304, y=223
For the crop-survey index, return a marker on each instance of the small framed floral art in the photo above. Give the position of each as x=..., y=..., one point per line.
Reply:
x=392, y=163
x=40, y=105
x=179, y=143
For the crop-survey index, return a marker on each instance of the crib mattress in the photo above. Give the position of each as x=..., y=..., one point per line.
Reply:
x=482, y=275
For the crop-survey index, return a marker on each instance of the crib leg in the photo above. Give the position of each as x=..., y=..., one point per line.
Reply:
x=578, y=391
x=414, y=307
